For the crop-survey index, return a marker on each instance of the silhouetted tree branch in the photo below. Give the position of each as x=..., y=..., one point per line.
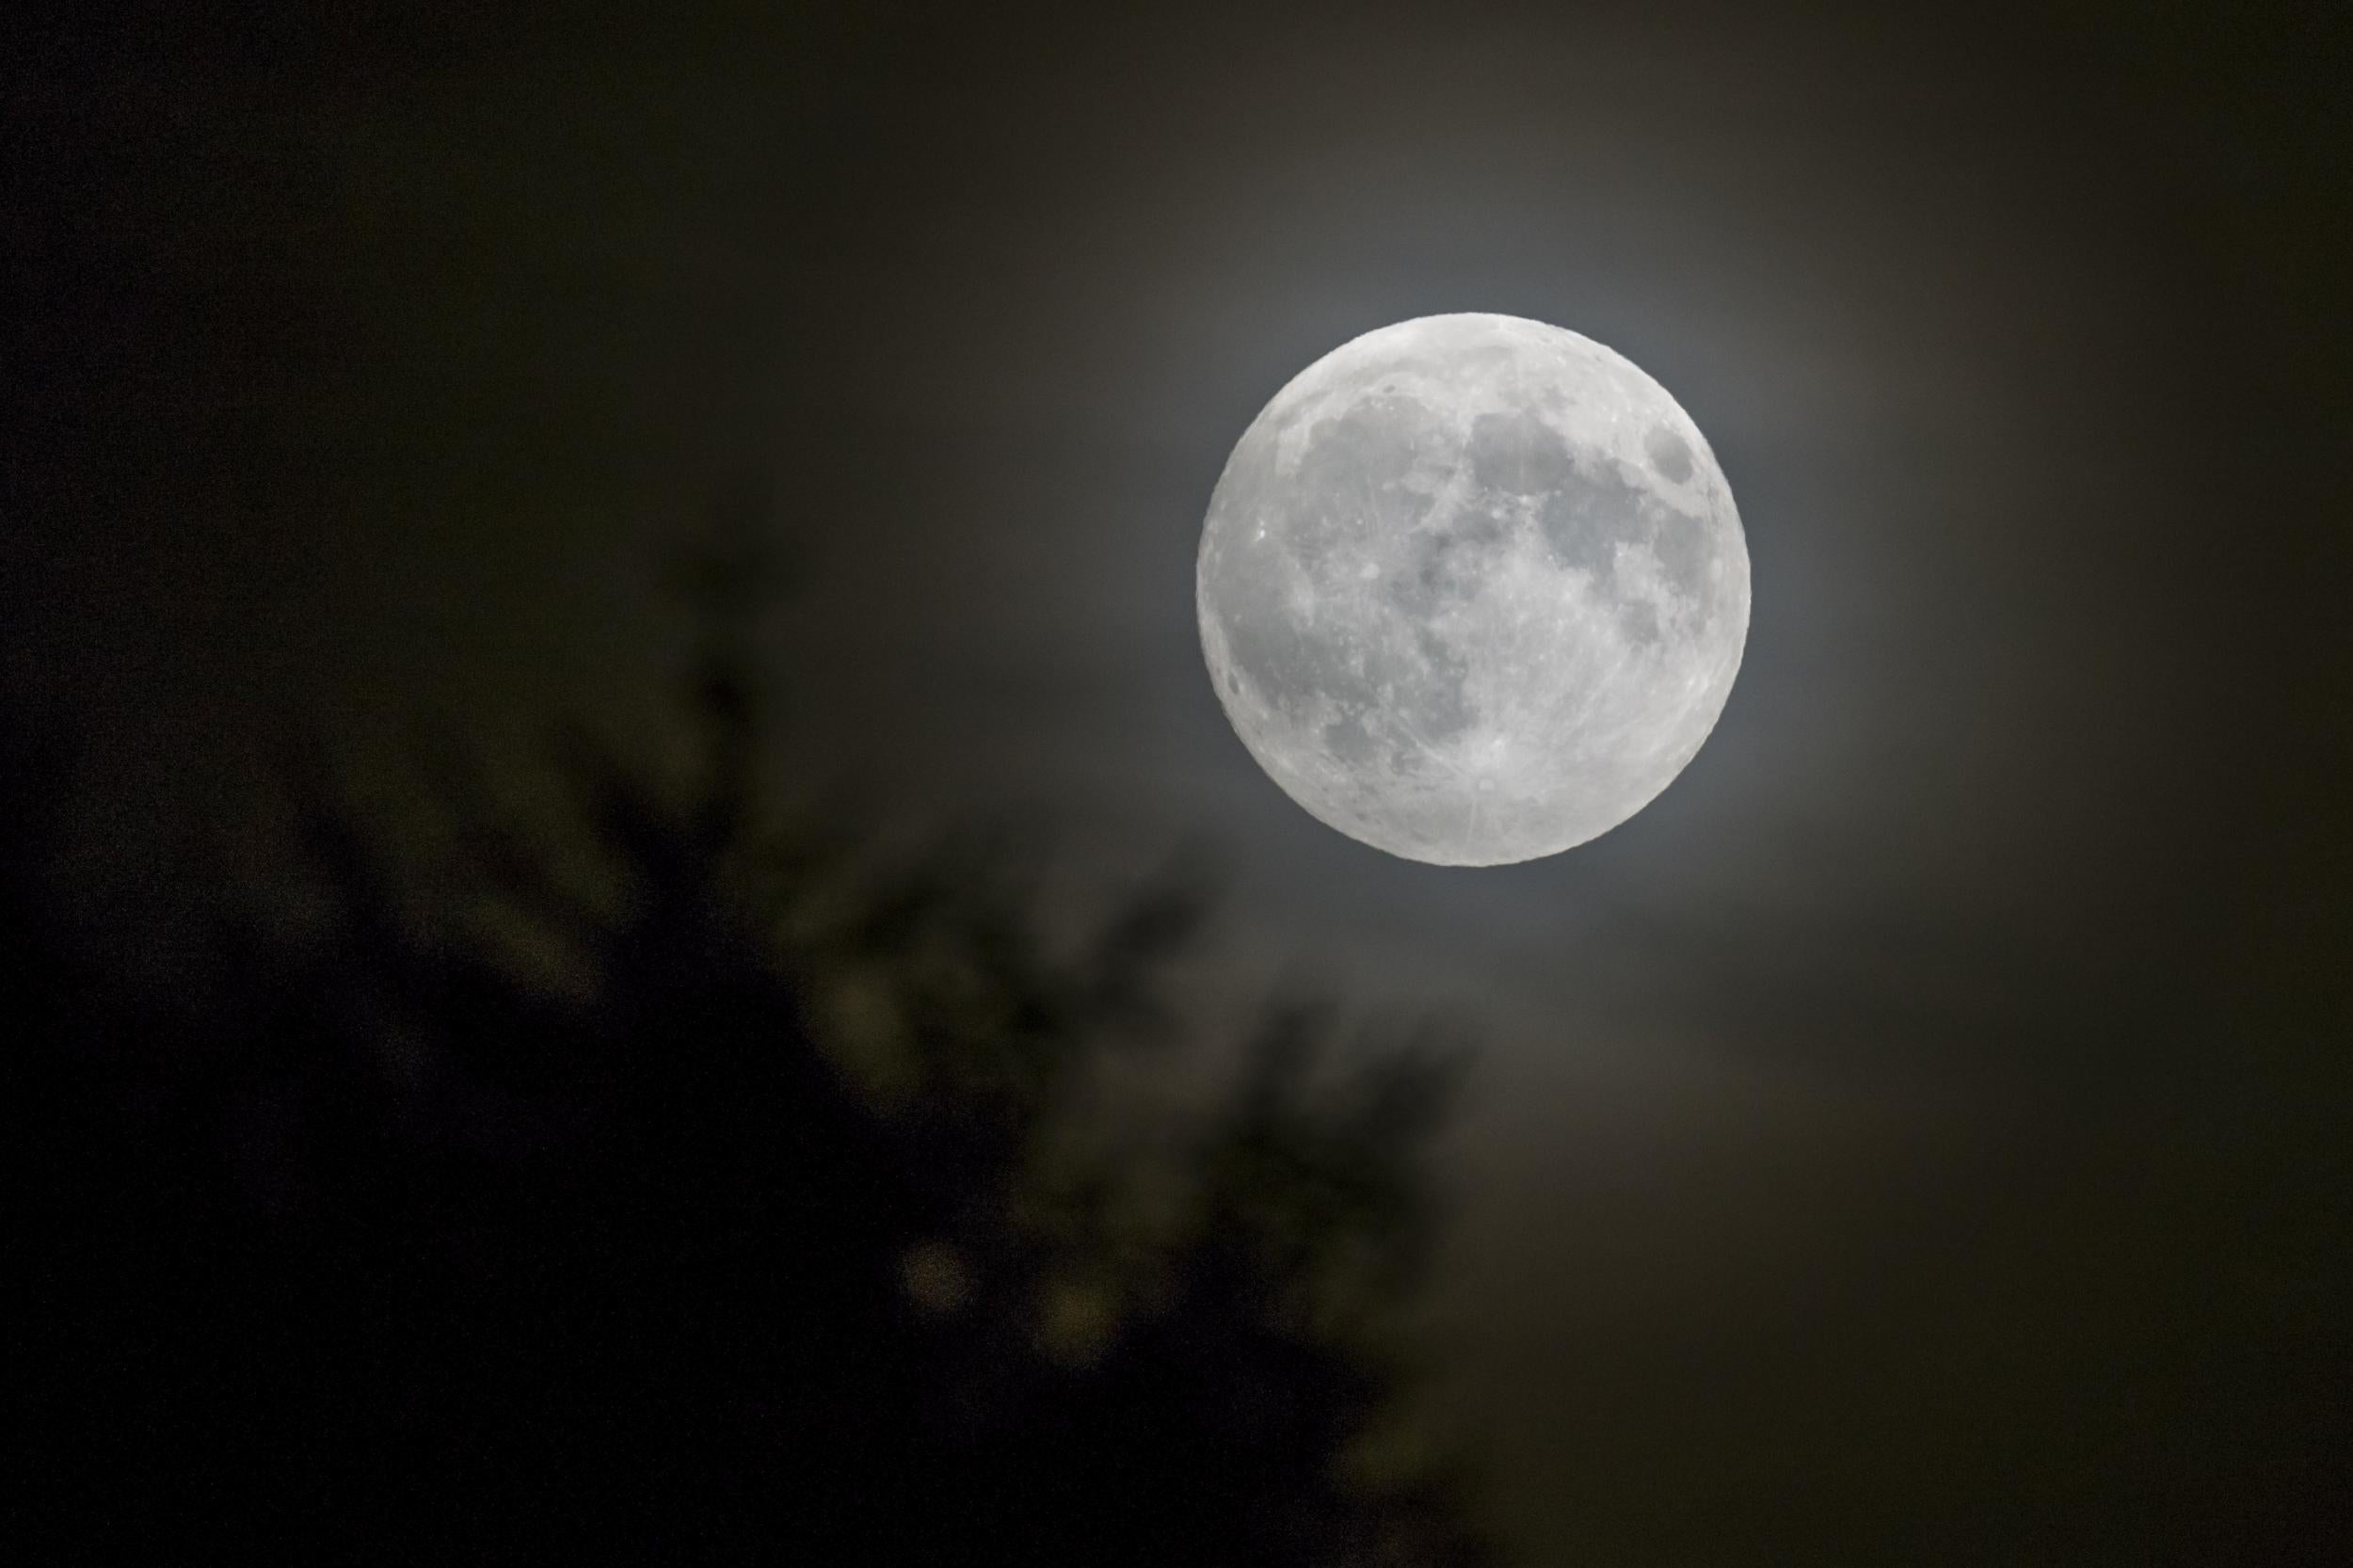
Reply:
x=781, y=1237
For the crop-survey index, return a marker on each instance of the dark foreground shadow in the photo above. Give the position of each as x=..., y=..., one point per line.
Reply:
x=783, y=1228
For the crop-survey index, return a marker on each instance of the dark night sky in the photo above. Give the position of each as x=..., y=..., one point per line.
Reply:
x=1919, y=1136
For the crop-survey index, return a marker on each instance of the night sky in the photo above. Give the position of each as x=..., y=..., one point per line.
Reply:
x=1921, y=1135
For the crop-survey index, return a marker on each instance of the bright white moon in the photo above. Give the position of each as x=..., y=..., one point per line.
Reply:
x=1472, y=589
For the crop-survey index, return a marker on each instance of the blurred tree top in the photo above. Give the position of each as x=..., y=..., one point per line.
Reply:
x=782, y=1218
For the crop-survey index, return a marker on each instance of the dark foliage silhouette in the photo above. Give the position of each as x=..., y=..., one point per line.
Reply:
x=780, y=1219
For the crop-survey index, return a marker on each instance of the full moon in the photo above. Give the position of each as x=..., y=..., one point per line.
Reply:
x=1472, y=589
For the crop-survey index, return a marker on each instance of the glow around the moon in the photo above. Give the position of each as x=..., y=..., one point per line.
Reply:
x=1472, y=589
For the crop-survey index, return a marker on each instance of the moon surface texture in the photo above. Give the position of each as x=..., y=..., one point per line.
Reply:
x=1472, y=589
